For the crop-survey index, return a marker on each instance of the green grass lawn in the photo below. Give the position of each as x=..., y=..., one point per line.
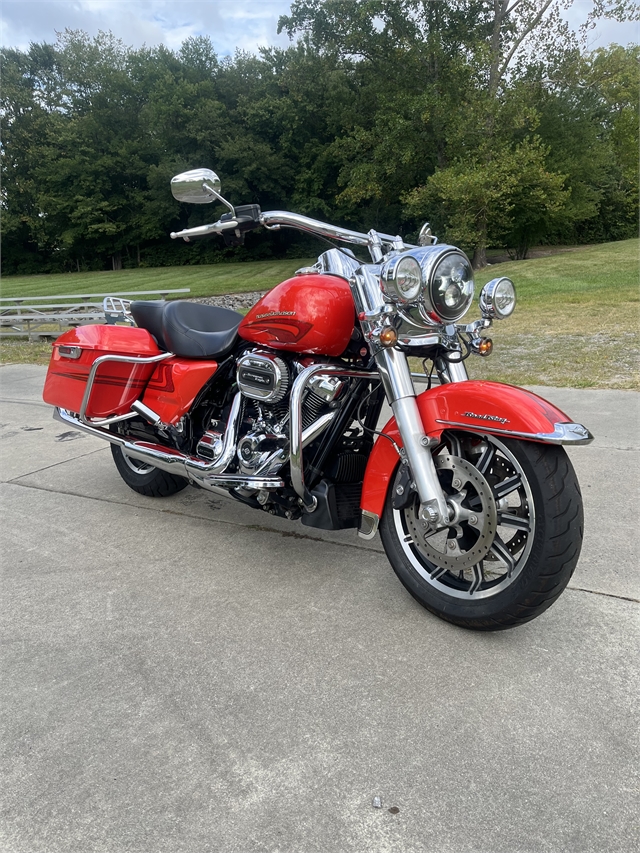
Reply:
x=576, y=322
x=592, y=273
x=205, y=280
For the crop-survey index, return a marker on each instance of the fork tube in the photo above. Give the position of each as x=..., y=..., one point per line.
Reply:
x=398, y=386
x=451, y=371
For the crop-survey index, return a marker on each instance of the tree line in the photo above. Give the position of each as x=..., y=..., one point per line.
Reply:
x=490, y=119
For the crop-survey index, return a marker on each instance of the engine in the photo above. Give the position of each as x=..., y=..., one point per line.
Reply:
x=265, y=380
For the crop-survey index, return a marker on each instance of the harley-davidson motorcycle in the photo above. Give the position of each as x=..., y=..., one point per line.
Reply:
x=475, y=500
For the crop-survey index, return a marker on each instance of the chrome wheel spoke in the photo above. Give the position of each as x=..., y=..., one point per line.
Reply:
x=501, y=490
x=486, y=458
x=437, y=571
x=452, y=443
x=507, y=519
x=478, y=577
x=500, y=550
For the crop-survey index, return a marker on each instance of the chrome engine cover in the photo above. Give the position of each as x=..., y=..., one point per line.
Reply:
x=262, y=376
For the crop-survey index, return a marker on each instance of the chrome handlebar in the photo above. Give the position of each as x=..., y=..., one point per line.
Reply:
x=275, y=219
x=278, y=218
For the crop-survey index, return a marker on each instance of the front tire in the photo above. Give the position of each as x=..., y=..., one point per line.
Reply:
x=514, y=539
x=144, y=478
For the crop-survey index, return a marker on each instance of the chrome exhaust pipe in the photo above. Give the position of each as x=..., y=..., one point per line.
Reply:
x=173, y=461
x=208, y=475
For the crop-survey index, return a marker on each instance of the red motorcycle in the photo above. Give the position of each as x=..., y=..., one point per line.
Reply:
x=475, y=500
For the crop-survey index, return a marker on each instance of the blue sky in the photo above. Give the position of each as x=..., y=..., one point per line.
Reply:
x=231, y=24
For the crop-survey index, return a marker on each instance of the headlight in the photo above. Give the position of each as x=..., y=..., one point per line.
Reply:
x=438, y=280
x=402, y=279
x=450, y=288
x=498, y=299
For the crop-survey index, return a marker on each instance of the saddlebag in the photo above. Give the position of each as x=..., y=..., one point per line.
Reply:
x=116, y=384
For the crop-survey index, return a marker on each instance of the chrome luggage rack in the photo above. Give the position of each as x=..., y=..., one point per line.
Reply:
x=117, y=311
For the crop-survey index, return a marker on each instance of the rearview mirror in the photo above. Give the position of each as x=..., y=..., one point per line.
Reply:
x=426, y=238
x=199, y=186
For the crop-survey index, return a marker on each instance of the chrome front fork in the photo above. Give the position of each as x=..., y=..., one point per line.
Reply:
x=396, y=379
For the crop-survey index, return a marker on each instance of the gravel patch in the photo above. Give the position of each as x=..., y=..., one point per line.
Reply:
x=235, y=301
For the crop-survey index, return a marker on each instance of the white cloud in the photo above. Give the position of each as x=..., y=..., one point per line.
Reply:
x=247, y=24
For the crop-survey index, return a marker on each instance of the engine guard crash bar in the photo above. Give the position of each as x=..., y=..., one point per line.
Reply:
x=295, y=420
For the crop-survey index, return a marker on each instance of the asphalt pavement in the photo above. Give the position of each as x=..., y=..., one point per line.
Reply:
x=189, y=676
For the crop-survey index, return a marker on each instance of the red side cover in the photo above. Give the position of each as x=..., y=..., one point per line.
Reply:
x=117, y=385
x=174, y=386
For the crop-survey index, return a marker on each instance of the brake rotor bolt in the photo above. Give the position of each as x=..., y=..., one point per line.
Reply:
x=456, y=483
x=473, y=519
x=451, y=544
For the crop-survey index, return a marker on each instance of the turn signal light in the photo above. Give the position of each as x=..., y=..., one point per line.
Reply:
x=485, y=346
x=388, y=336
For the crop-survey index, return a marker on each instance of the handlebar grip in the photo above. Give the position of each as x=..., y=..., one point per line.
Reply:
x=247, y=217
x=203, y=230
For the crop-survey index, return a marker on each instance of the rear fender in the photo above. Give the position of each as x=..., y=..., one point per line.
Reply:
x=479, y=407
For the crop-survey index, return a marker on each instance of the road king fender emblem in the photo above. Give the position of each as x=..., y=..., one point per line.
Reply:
x=486, y=417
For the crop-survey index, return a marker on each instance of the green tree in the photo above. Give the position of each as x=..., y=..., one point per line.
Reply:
x=510, y=200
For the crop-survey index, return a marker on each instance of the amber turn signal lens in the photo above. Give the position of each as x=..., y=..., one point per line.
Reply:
x=485, y=346
x=388, y=336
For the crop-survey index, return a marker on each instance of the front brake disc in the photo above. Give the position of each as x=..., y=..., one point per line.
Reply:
x=474, y=525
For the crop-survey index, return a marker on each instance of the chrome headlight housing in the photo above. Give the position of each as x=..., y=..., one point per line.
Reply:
x=450, y=289
x=436, y=279
x=498, y=299
x=402, y=279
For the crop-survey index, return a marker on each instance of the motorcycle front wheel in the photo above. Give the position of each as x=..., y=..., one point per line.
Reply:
x=513, y=539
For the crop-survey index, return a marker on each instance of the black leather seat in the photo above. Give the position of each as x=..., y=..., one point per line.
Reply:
x=148, y=315
x=189, y=329
x=199, y=331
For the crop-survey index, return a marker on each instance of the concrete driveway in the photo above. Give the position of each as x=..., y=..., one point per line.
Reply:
x=186, y=676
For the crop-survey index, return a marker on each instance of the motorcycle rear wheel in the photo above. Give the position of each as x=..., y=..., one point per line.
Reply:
x=144, y=478
x=513, y=544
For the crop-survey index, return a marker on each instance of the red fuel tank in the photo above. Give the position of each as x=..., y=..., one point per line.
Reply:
x=309, y=313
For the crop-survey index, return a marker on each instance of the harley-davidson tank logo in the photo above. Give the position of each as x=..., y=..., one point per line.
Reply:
x=486, y=417
x=276, y=314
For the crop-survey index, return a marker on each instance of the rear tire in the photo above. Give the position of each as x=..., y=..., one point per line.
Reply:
x=144, y=478
x=520, y=498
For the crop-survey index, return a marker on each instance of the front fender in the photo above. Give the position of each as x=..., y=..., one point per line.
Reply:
x=477, y=406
